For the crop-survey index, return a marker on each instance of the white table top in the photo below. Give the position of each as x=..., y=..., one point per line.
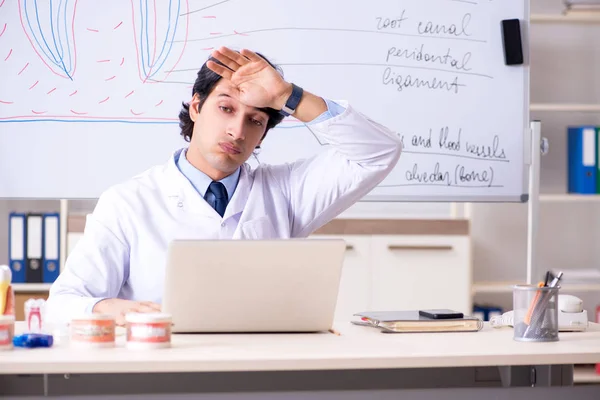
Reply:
x=357, y=347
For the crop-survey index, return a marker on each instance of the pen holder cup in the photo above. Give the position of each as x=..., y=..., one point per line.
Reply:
x=535, y=313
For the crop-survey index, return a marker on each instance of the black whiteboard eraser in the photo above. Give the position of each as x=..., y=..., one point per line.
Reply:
x=511, y=39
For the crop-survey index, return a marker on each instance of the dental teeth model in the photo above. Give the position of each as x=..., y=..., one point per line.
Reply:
x=34, y=315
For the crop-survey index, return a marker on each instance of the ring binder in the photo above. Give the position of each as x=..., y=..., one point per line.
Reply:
x=33, y=270
x=17, y=231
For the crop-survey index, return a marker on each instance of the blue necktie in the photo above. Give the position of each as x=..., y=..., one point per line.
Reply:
x=218, y=189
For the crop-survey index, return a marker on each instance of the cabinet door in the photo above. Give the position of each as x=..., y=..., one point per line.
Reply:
x=355, y=284
x=418, y=272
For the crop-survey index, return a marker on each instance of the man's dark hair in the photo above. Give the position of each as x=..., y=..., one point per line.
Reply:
x=205, y=82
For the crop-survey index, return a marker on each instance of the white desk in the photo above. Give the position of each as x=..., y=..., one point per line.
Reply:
x=360, y=358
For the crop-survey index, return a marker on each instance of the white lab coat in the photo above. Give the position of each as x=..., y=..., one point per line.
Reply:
x=123, y=249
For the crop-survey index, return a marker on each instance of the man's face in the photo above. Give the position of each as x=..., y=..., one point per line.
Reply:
x=226, y=132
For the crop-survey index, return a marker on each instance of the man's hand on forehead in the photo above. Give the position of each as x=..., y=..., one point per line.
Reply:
x=250, y=79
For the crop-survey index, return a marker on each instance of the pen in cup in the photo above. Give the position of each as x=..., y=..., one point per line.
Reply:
x=556, y=279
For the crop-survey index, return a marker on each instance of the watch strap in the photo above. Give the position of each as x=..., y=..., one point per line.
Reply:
x=292, y=102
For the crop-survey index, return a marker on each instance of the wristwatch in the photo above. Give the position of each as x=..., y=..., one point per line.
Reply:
x=292, y=102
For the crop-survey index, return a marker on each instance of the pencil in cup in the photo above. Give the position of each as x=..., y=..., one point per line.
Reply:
x=539, y=311
x=533, y=304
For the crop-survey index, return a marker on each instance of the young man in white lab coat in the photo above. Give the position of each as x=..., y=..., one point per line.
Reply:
x=207, y=191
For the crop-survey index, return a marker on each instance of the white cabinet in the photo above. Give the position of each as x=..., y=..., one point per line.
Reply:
x=403, y=272
x=424, y=271
x=355, y=284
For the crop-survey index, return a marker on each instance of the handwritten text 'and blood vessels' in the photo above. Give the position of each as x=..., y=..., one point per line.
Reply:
x=451, y=141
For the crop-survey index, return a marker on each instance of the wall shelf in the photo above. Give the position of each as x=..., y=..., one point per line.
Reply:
x=568, y=198
x=564, y=107
x=568, y=18
x=31, y=287
x=507, y=287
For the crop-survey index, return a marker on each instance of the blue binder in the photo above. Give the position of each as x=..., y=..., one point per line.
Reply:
x=17, y=231
x=581, y=159
x=51, y=247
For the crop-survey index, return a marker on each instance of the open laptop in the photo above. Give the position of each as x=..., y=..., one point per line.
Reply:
x=253, y=285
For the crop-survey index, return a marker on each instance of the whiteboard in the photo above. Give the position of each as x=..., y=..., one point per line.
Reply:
x=90, y=91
